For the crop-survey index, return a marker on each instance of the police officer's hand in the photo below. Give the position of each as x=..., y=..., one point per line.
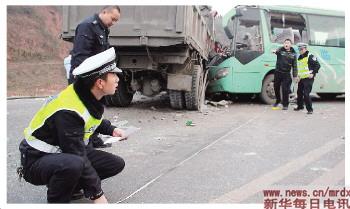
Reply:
x=311, y=75
x=117, y=132
x=100, y=200
x=274, y=51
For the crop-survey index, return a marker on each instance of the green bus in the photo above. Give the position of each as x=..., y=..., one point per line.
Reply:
x=254, y=31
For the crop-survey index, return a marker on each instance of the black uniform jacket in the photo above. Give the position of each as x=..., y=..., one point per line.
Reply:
x=286, y=60
x=91, y=37
x=66, y=129
x=313, y=63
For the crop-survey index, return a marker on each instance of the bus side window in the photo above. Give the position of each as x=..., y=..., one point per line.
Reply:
x=304, y=37
x=327, y=30
x=287, y=26
x=297, y=37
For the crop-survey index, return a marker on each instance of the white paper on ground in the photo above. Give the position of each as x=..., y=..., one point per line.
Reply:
x=112, y=140
x=127, y=132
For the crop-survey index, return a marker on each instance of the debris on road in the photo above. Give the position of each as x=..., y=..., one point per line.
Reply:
x=190, y=123
x=159, y=138
x=120, y=124
x=115, y=118
x=220, y=103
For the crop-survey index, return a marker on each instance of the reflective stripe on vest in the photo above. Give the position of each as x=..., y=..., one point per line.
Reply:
x=303, y=67
x=66, y=100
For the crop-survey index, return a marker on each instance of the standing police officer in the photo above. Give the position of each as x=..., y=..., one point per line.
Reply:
x=55, y=150
x=91, y=37
x=308, y=66
x=286, y=60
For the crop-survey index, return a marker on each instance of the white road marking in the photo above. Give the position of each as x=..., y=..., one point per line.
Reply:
x=331, y=177
x=265, y=181
x=190, y=157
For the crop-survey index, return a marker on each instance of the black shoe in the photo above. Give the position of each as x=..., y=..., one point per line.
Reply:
x=309, y=112
x=285, y=108
x=77, y=195
x=298, y=108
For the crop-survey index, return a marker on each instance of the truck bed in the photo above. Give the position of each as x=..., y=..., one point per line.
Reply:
x=152, y=26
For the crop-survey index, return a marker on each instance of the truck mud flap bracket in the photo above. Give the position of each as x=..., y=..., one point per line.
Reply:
x=179, y=82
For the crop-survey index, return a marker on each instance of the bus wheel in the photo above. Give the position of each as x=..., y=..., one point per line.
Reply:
x=122, y=97
x=328, y=96
x=267, y=94
x=177, y=100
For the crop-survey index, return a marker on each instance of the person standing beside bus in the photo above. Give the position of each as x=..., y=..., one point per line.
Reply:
x=286, y=61
x=308, y=66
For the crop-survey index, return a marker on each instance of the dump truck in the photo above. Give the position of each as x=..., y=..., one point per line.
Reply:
x=159, y=48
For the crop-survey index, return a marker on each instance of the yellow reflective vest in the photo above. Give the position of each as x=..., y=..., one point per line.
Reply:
x=303, y=67
x=66, y=100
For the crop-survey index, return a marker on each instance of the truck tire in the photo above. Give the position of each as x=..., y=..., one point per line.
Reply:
x=176, y=99
x=194, y=98
x=122, y=97
x=267, y=94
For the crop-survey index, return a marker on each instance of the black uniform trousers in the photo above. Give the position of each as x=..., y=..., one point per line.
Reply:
x=304, y=89
x=61, y=172
x=284, y=80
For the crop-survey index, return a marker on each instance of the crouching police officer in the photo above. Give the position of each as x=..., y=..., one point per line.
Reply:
x=54, y=151
x=308, y=66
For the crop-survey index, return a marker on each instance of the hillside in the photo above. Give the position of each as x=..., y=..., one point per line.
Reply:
x=34, y=50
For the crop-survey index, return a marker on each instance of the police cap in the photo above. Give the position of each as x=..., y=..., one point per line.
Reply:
x=98, y=65
x=302, y=45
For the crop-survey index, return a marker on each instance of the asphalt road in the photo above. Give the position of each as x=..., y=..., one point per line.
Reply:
x=229, y=156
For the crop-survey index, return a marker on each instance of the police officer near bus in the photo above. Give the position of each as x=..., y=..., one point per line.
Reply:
x=308, y=67
x=55, y=150
x=91, y=37
x=286, y=61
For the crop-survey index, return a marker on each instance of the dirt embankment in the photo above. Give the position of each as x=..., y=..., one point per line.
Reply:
x=34, y=51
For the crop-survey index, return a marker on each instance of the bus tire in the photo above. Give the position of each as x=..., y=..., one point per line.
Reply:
x=267, y=94
x=122, y=97
x=194, y=98
x=328, y=96
x=176, y=99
